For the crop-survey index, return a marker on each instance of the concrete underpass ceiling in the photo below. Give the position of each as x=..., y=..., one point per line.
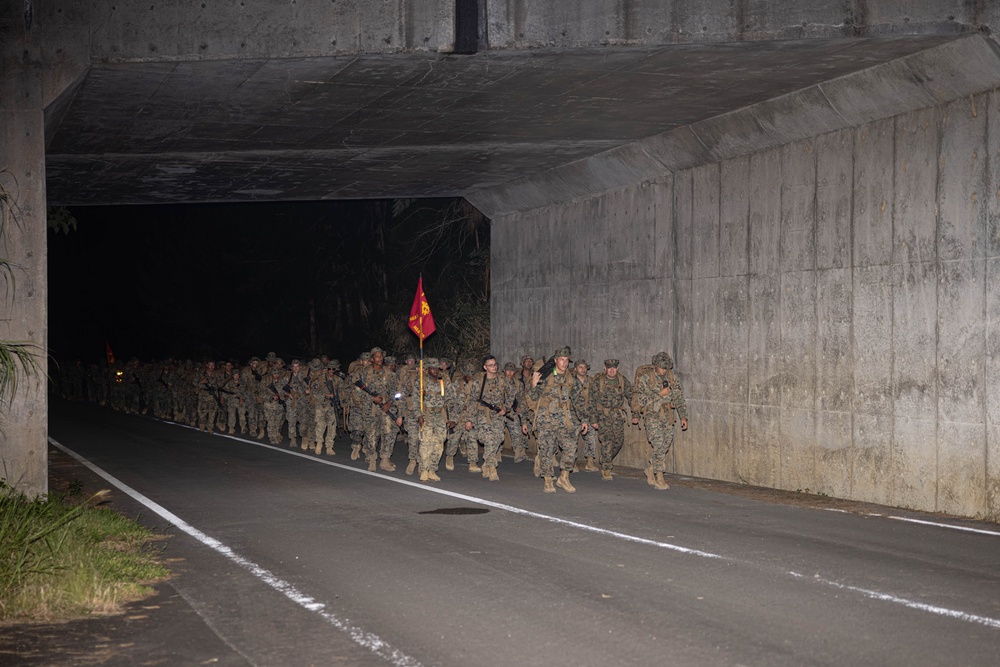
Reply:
x=413, y=125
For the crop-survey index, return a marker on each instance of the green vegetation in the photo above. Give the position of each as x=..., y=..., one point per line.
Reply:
x=61, y=559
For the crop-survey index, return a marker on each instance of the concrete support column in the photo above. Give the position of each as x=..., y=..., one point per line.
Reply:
x=24, y=425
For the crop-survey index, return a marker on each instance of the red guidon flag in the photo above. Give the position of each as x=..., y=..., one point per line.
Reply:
x=421, y=320
x=111, y=355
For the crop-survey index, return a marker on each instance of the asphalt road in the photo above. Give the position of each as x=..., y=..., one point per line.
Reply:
x=294, y=559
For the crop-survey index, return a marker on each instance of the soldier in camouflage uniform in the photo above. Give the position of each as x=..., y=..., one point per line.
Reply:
x=456, y=437
x=295, y=392
x=207, y=386
x=377, y=387
x=236, y=411
x=580, y=369
x=560, y=416
x=489, y=400
x=327, y=387
x=274, y=405
x=658, y=394
x=408, y=381
x=432, y=420
x=358, y=403
x=518, y=440
x=610, y=392
x=253, y=377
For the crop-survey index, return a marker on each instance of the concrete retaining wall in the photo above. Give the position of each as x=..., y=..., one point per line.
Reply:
x=833, y=305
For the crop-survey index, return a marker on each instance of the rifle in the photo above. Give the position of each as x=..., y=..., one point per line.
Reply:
x=214, y=391
x=334, y=399
x=547, y=368
x=494, y=408
x=274, y=389
x=392, y=411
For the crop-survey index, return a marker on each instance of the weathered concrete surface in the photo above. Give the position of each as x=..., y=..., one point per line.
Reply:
x=851, y=347
x=23, y=421
x=637, y=115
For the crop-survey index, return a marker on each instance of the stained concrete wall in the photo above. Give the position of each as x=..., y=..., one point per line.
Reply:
x=833, y=305
x=23, y=422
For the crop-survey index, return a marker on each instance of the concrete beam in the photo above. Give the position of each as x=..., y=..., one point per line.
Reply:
x=963, y=67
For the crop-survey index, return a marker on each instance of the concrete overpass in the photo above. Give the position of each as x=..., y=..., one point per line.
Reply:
x=799, y=203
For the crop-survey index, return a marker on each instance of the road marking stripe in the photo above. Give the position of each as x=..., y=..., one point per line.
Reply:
x=940, y=611
x=922, y=606
x=936, y=524
x=366, y=639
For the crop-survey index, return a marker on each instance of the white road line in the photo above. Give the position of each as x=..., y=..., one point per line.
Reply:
x=922, y=606
x=936, y=524
x=886, y=597
x=366, y=639
x=945, y=525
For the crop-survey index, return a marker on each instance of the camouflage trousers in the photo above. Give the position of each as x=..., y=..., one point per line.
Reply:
x=660, y=433
x=612, y=437
x=410, y=428
x=356, y=425
x=255, y=416
x=452, y=442
x=208, y=410
x=274, y=414
x=551, y=438
x=236, y=415
x=162, y=406
x=380, y=435
x=490, y=433
x=298, y=414
x=518, y=440
x=325, y=418
x=589, y=440
x=431, y=438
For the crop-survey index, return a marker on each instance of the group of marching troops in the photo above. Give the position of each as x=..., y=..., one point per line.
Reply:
x=445, y=411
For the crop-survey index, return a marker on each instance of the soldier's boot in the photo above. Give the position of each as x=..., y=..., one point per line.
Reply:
x=319, y=448
x=520, y=455
x=329, y=451
x=548, y=485
x=260, y=435
x=411, y=466
x=649, y=475
x=371, y=464
x=563, y=482
x=292, y=442
x=355, y=452
x=387, y=465
x=606, y=475
x=659, y=483
x=423, y=475
x=306, y=444
x=449, y=463
x=492, y=476
x=232, y=431
x=590, y=467
x=538, y=465
x=474, y=467
x=433, y=476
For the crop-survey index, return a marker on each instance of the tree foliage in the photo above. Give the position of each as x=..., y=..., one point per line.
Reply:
x=298, y=279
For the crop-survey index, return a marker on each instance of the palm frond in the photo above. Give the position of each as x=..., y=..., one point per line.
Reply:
x=17, y=359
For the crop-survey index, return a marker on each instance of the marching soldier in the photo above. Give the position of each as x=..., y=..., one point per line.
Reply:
x=489, y=401
x=432, y=420
x=659, y=394
x=560, y=416
x=610, y=392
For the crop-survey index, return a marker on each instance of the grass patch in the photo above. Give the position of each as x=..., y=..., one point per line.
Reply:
x=61, y=559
